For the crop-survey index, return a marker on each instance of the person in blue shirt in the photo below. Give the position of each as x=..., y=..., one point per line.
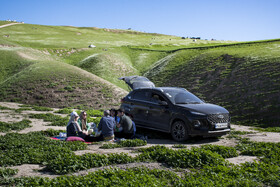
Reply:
x=106, y=126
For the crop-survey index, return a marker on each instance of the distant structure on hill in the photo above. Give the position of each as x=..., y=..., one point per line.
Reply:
x=195, y=38
x=91, y=46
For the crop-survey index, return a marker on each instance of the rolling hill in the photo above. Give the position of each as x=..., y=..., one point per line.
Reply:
x=53, y=66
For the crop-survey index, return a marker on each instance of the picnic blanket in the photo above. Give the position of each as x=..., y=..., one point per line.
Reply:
x=64, y=139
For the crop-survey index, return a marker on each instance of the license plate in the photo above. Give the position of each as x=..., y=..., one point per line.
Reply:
x=221, y=125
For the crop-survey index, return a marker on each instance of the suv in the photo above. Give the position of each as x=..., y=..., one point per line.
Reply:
x=173, y=110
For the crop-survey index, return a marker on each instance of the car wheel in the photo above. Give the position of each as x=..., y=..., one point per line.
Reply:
x=179, y=131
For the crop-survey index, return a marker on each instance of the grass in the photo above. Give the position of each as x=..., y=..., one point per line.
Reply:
x=4, y=22
x=124, y=143
x=40, y=82
x=53, y=66
x=50, y=61
x=17, y=126
x=268, y=129
x=206, y=165
x=73, y=37
x=251, y=70
x=4, y=108
x=54, y=119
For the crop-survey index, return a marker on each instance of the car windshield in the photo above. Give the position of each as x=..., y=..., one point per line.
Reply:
x=181, y=96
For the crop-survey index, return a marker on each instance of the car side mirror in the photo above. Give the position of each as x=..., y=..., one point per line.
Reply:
x=163, y=103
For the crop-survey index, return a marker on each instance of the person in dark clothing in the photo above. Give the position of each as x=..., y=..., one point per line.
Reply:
x=106, y=126
x=126, y=124
x=113, y=113
x=133, y=125
x=74, y=129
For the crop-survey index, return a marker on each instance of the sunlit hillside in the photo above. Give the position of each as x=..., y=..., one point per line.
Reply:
x=54, y=66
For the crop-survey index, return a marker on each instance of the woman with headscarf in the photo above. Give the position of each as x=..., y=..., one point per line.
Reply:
x=82, y=121
x=73, y=128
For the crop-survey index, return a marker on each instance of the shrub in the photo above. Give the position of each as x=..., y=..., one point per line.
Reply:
x=49, y=117
x=224, y=151
x=183, y=158
x=125, y=143
x=34, y=148
x=269, y=129
x=66, y=111
x=70, y=163
x=6, y=127
x=108, y=177
x=180, y=146
x=41, y=108
x=7, y=172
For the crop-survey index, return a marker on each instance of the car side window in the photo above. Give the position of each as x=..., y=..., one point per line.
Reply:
x=156, y=98
x=141, y=95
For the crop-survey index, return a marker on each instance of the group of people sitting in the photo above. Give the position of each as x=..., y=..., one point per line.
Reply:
x=114, y=123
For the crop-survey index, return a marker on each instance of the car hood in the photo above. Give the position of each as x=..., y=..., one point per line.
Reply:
x=136, y=82
x=204, y=108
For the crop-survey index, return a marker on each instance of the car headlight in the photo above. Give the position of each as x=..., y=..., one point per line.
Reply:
x=196, y=123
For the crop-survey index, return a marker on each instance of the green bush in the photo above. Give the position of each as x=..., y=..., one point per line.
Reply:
x=94, y=113
x=19, y=110
x=6, y=127
x=49, y=117
x=180, y=146
x=51, y=132
x=183, y=158
x=269, y=129
x=66, y=111
x=224, y=151
x=108, y=177
x=245, y=175
x=34, y=148
x=247, y=147
x=7, y=172
x=70, y=163
x=4, y=108
x=41, y=108
x=37, y=108
x=124, y=143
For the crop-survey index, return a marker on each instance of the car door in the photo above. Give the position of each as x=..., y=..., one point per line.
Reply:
x=158, y=112
x=139, y=106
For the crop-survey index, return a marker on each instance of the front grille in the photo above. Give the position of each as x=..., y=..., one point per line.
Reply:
x=218, y=118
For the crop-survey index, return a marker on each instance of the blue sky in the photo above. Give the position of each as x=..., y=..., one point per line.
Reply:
x=239, y=20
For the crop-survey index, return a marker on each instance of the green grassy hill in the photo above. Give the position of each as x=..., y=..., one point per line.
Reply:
x=32, y=77
x=53, y=66
x=243, y=78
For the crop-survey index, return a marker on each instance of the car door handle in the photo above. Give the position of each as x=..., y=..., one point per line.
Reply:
x=147, y=111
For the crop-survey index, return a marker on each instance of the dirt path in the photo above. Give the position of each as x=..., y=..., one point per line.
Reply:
x=10, y=24
x=38, y=125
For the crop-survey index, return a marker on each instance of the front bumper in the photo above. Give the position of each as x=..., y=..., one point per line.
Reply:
x=211, y=133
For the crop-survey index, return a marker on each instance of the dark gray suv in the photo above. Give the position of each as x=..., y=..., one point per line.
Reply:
x=173, y=110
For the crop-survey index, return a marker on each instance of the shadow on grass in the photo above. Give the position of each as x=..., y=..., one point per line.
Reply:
x=157, y=137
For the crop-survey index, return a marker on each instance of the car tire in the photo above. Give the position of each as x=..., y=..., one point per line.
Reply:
x=179, y=131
